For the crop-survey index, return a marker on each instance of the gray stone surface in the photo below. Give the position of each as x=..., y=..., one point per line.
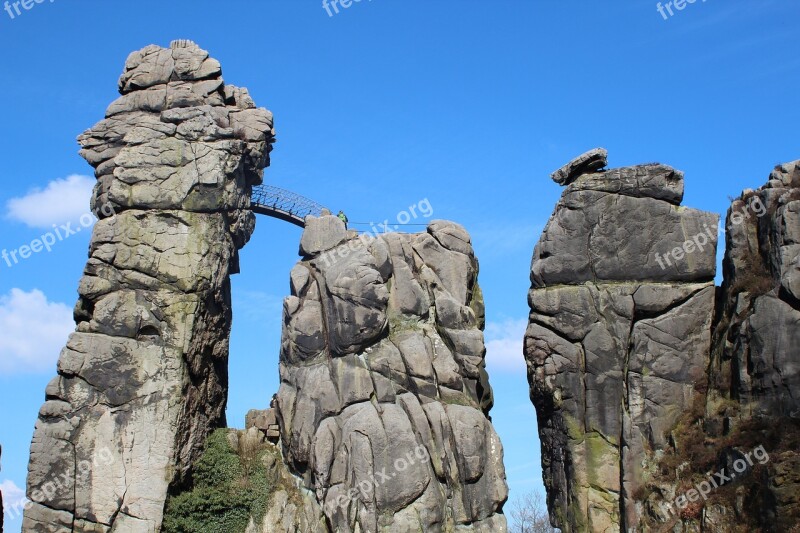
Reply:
x=754, y=373
x=321, y=234
x=143, y=379
x=384, y=397
x=757, y=341
x=266, y=422
x=590, y=161
x=644, y=181
x=261, y=419
x=616, y=346
x=625, y=224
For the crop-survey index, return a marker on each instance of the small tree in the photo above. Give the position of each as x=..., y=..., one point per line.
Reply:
x=529, y=515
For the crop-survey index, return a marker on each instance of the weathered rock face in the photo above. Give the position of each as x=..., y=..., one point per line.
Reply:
x=757, y=340
x=751, y=409
x=144, y=377
x=755, y=366
x=384, y=398
x=621, y=304
x=266, y=422
x=649, y=399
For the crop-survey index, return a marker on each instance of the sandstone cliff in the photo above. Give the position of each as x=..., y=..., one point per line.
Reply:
x=637, y=405
x=384, y=398
x=617, y=340
x=381, y=421
x=757, y=337
x=143, y=379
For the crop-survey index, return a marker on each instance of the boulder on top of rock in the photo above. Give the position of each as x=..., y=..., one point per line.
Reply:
x=590, y=161
x=653, y=180
x=260, y=419
x=321, y=234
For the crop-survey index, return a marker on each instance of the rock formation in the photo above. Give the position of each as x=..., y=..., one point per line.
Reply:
x=266, y=422
x=754, y=396
x=642, y=387
x=746, y=425
x=620, y=328
x=384, y=398
x=144, y=377
x=381, y=421
x=758, y=330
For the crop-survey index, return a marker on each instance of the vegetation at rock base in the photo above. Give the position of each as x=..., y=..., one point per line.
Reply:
x=228, y=489
x=696, y=452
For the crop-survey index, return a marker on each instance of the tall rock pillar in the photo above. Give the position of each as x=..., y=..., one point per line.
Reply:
x=757, y=342
x=622, y=300
x=144, y=377
x=384, y=398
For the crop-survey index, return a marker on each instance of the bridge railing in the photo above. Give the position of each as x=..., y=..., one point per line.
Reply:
x=285, y=205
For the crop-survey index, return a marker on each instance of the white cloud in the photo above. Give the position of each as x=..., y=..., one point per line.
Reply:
x=13, y=499
x=523, y=467
x=34, y=331
x=504, y=345
x=62, y=200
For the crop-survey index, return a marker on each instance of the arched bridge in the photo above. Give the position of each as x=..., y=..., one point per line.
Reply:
x=284, y=205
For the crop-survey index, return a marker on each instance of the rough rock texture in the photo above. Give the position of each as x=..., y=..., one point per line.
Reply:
x=591, y=161
x=643, y=386
x=753, y=397
x=384, y=398
x=755, y=366
x=291, y=508
x=757, y=354
x=618, y=338
x=265, y=421
x=144, y=376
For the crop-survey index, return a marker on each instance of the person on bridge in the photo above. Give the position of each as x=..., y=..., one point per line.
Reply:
x=343, y=218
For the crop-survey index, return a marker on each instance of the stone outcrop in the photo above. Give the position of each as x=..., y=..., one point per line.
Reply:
x=757, y=339
x=647, y=389
x=384, y=397
x=143, y=379
x=381, y=421
x=620, y=329
x=266, y=422
x=754, y=398
x=751, y=407
x=586, y=163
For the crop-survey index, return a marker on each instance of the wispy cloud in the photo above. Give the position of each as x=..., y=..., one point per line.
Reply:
x=34, y=331
x=504, y=346
x=524, y=467
x=13, y=498
x=61, y=200
x=257, y=306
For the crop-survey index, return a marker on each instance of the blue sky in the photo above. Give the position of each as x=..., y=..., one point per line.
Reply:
x=468, y=104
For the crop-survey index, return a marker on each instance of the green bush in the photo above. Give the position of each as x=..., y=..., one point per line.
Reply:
x=228, y=490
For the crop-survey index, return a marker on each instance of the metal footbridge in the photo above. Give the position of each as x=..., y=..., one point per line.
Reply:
x=283, y=205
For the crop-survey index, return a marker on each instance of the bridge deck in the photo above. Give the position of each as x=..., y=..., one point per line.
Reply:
x=283, y=205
